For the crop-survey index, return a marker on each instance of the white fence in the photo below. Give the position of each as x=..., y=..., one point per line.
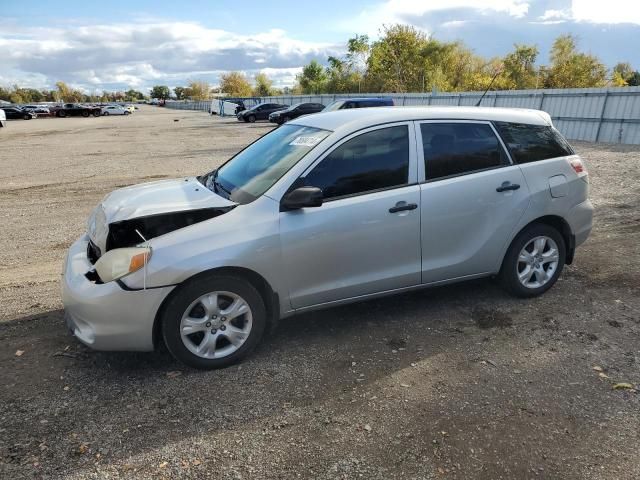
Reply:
x=591, y=114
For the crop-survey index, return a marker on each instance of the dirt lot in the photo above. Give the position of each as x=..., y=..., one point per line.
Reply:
x=457, y=382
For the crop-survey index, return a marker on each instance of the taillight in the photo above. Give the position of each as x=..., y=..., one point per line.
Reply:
x=578, y=166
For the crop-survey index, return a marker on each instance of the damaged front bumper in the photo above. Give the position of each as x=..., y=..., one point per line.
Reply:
x=105, y=316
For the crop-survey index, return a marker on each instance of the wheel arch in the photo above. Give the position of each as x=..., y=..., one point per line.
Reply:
x=558, y=223
x=269, y=296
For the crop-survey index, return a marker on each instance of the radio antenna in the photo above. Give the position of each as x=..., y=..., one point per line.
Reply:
x=498, y=72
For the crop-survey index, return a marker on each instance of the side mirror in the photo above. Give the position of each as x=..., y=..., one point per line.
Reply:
x=300, y=198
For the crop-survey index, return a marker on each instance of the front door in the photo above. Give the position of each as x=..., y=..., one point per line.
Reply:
x=365, y=238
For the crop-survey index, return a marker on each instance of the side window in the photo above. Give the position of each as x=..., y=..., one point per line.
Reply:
x=372, y=161
x=460, y=148
x=531, y=143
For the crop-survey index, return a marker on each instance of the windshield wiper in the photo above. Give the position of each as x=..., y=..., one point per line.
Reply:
x=217, y=185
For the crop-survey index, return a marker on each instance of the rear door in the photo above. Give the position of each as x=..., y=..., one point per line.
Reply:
x=365, y=238
x=471, y=199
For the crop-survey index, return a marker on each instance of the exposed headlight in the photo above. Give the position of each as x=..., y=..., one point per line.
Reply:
x=120, y=262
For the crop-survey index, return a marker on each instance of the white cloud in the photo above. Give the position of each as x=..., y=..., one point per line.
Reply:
x=454, y=23
x=609, y=11
x=401, y=11
x=551, y=15
x=143, y=54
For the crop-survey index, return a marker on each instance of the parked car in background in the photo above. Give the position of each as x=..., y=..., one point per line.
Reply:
x=115, y=110
x=359, y=103
x=3, y=119
x=39, y=109
x=260, y=112
x=294, y=111
x=240, y=105
x=17, y=113
x=77, y=110
x=328, y=209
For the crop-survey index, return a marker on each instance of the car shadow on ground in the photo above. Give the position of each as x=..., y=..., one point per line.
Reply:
x=65, y=393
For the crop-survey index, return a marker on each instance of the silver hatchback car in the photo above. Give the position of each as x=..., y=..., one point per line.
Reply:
x=330, y=208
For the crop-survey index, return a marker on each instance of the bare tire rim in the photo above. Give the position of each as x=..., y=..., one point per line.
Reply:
x=537, y=262
x=216, y=325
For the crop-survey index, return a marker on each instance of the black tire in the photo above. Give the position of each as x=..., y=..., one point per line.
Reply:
x=62, y=114
x=96, y=113
x=106, y=114
x=509, y=272
x=251, y=118
x=126, y=112
x=85, y=113
x=191, y=291
x=27, y=117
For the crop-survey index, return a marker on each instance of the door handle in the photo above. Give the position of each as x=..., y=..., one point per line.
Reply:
x=401, y=206
x=507, y=186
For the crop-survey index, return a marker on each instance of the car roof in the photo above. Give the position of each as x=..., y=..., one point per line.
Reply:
x=358, y=118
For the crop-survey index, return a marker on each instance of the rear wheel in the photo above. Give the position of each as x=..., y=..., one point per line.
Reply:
x=126, y=112
x=213, y=322
x=96, y=113
x=251, y=118
x=534, y=261
x=106, y=114
x=85, y=113
x=62, y=114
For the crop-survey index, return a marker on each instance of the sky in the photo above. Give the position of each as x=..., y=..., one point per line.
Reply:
x=119, y=44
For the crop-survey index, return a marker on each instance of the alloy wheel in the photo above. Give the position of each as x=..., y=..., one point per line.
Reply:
x=216, y=324
x=537, y=262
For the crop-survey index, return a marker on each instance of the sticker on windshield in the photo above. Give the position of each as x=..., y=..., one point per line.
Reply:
x=306, y=141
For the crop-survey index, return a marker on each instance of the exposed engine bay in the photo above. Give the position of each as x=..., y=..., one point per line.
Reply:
x=127, y=233
x=131, y=232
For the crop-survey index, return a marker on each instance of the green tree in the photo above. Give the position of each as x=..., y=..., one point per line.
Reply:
x=572, y=69
x=634, y=79
x=313, y=78
x=624, y=70
x=132, y=95
x=179, y=92
x=396, y=61
x=263, y=86
x=160, y=92
x=519, y=67
x=235, y=84
x=198, y=90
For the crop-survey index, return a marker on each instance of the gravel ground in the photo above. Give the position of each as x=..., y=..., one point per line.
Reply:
x=458, y=382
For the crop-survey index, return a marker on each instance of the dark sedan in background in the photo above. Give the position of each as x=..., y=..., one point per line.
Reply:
x=76, y=110
x=16, y=113
x=294, y=111
x=260, y=112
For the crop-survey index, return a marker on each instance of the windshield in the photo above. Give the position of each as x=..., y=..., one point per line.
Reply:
x=256, y=168
x=334, y=106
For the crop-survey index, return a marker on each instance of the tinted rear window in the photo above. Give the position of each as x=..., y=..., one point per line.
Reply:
x=460, y=148
x=531, y=143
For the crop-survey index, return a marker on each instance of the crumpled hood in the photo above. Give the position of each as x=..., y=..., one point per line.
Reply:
x=149, y=199
x=163, y=196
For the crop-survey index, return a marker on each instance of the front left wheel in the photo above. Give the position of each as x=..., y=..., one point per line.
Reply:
x=213, y=322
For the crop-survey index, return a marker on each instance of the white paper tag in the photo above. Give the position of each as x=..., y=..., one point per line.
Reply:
x=306, y=141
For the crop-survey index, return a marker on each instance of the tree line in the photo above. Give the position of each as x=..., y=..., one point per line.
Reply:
x=403, y=60
x=406, y=60
x=64, y=93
